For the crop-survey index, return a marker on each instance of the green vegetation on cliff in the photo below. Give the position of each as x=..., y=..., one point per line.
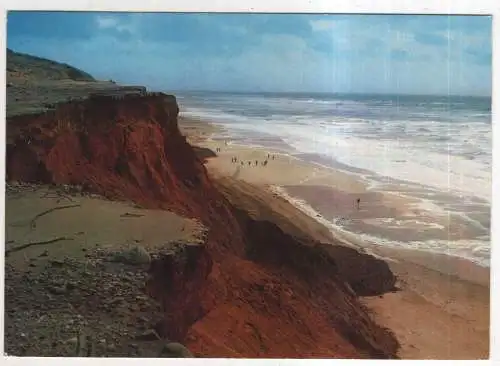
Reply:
x=32, y=67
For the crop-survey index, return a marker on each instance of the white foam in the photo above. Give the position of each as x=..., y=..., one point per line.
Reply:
x=476, y=251
x=429, y=206
x=403, y=150
x=394, y=159
x=311, y=212
x=392, y=223
x=444, y=150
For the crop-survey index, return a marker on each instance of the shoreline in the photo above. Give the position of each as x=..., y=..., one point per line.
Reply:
x=438, y=292
x=306, y=329
x=179, y=243
x=345, y=235
x=301, y=182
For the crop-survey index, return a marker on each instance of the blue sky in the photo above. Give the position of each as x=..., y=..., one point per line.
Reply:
x=267, y=52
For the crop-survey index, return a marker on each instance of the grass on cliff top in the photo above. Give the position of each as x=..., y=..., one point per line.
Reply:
x=23, y=65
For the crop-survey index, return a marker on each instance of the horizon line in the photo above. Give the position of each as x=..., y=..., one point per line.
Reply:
x=325, y=93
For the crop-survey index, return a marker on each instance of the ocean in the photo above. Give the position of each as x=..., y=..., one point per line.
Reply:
x=440, y=146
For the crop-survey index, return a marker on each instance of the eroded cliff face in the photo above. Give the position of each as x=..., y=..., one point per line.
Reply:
x=251, y=290
x=117, y=147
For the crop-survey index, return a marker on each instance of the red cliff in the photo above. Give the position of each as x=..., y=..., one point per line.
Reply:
x=252, y=290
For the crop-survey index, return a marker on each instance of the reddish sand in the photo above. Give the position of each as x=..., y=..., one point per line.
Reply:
x=443, y=310
x=253, y=290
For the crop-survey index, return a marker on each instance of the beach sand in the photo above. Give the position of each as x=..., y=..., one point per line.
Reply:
x=442, y=308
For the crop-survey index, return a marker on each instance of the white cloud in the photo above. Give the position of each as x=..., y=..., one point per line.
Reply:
x=106, y=22
x=323, y=24
x=109, y=22
x=241, y=30
x=361, y=60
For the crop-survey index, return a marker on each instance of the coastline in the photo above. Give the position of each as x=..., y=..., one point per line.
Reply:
x=255, y=260
x=256, y=285
x=443, y=295
x=328, y=193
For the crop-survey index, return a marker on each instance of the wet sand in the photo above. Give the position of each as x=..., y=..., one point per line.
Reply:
x=442, y=308
x=381, y=215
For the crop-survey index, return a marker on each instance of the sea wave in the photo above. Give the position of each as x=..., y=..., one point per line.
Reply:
x=476, y=251
x=410, y=140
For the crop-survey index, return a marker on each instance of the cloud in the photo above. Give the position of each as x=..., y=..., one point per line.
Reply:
x=323, y=25
x=120, y=26
x=400, y=55
x=481, y=57
x=432, y=38
x=106, y=22
x=413, y=54
x=52, y=25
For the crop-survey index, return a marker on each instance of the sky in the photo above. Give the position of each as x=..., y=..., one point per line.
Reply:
x=395, y=54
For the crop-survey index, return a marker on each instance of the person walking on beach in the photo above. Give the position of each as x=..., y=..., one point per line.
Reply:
x=249, y=163
x=256, y=162
x=358, y=202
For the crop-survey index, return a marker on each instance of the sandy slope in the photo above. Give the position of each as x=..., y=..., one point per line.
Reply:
x=86, y=222
x=57, y=290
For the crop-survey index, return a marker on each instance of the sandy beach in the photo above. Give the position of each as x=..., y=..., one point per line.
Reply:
x=441, y=310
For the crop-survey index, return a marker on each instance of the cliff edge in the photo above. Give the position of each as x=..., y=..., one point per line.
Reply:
x=253, y=288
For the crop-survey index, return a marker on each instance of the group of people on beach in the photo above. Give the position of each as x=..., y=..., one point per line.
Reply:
x=235, y=160
x=218, y=149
